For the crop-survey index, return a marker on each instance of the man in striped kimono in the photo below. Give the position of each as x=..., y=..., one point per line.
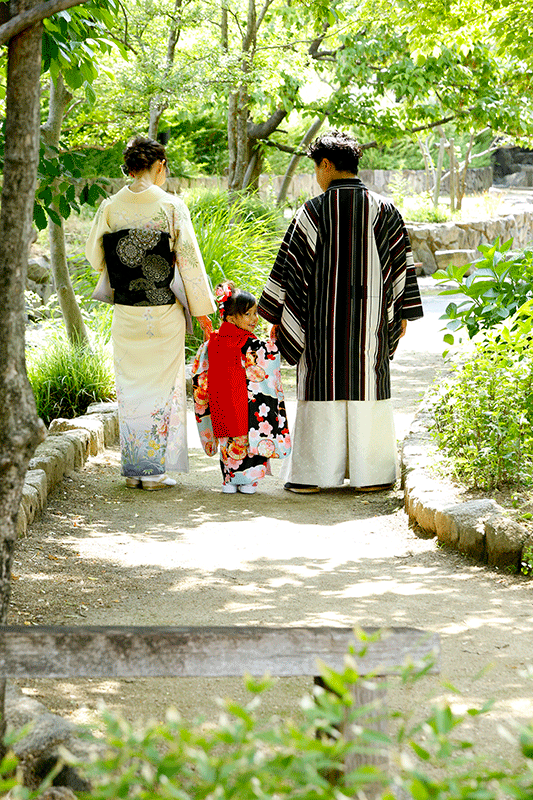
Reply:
x=339, y=295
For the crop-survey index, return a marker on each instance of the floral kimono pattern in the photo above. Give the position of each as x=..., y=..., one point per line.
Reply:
x=245, y=459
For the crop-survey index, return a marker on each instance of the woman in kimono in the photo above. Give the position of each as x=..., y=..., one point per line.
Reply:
x=143, y=244
x=238, y=397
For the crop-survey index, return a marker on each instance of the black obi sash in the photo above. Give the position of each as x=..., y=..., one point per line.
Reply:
x=140, y=265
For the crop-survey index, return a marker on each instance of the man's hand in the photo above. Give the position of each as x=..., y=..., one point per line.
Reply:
x=404, y=328
x=273, y=333
x=206, y=325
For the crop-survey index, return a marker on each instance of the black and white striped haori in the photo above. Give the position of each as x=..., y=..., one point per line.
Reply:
x=343, y=281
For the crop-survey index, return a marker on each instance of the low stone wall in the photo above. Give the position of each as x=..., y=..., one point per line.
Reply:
x=304, y=185
x=66, y=448
x=437, y=244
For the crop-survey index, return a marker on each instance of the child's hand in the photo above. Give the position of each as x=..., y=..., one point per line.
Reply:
x=206, y=325
x=273, y=333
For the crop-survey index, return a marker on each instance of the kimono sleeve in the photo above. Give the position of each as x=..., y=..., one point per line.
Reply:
x=190, y=262
x=399, y=277
x=94, y=248
x=200, y=390
x=284, y=298
x=268, y=433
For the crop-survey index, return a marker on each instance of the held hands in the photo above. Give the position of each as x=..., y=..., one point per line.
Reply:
x=273, y=333
x=206, y=326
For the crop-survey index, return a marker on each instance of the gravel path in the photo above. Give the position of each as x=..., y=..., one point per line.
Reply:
x=103, y=554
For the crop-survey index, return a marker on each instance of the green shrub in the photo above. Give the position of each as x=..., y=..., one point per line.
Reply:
x=238, y=242
x=247, y=757
x=499, y=285
x=421, y=209
x=483, y=415
x=66, y=378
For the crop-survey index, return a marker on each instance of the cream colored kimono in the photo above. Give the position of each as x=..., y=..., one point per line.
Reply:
x=149, y=341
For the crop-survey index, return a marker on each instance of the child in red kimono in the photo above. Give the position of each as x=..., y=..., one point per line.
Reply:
x=238, y=397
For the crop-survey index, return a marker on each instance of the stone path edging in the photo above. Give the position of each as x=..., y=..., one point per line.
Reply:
x=68, y=445
x=480, y=529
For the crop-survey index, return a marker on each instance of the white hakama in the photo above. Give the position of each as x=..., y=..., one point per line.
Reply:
x=338, y=439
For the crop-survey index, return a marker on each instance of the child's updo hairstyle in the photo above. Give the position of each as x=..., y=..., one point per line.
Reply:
x=232, y=301
x=141, y=154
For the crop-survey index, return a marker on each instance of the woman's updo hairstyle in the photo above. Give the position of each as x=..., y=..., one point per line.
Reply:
x=141, y=154
x=232, y=301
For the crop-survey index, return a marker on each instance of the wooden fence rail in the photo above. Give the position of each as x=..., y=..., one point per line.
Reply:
x=93, y=652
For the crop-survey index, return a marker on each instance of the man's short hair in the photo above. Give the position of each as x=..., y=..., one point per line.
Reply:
x=342, y=150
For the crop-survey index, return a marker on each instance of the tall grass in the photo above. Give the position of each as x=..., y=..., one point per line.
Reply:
x=67, y=378
x=238, y=242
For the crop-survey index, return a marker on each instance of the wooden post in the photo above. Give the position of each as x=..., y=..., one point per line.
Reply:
x=369, y=695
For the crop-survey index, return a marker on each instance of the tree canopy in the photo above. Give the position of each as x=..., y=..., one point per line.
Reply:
x=265, y=71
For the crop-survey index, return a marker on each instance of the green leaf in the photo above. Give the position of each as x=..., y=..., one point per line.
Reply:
x=425, y=755
x=419, y=790
x=39, y=217
x=64, y=207
x=90, y=94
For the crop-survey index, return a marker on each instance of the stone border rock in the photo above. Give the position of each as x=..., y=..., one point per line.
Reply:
x=66, y=448
x=481, y=529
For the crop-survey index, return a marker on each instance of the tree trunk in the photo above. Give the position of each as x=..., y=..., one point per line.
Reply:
x=438, y=174
x=237, y=139
x=157, y=109
x=461, y=177
x=160, y=103
x=451, y=158
x=295, y=160
x=20, y=429
x=51, y=131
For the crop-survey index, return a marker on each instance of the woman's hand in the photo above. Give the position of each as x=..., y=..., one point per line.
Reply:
x=206, y=325
x=273, y=333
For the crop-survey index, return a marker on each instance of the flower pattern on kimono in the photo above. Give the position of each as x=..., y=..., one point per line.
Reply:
x=159, y=296
x=131, y=249
x=265, y=427
x=255, y=373
x=271, y=347
x=266, y=448
x=238, y=448
x=201, y=403
x=263, y=410
x=155, y=267
x=268, y=435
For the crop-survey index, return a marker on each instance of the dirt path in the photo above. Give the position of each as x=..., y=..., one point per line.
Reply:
x=104, y=554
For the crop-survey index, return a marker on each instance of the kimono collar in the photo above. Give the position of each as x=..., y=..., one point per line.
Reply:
x=153, y=194
x=351, y=182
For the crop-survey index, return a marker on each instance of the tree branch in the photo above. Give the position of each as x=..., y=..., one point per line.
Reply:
x=262, y=13
x=283, y=147
x=34, y=15
x=264, y=129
